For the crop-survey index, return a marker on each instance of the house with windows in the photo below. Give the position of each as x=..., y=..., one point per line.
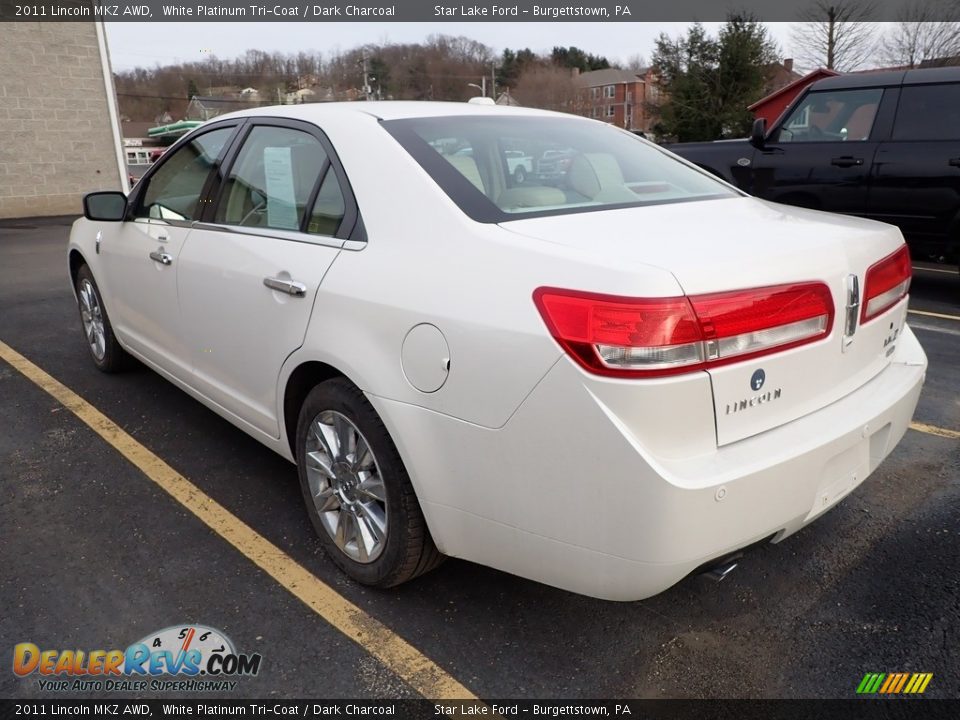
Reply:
x=629, y=99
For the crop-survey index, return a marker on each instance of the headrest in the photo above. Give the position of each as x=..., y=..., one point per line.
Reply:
x=592, y=172
x=467, y=167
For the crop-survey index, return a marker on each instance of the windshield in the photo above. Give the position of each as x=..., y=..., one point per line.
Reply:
x=504, y=168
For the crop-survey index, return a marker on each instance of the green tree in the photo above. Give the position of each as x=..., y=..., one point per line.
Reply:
x=708, y=83
x=746, y=55
x=574, y=57
x=687, y=67
x=513, y=65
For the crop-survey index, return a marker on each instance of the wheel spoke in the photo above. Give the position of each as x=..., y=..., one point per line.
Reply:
x=347, y=532
x=344, y=432
x=372, y=487
x=363, y=458
x=325, y=436
x=326, y=500
x=374, y=522
x=319, y=464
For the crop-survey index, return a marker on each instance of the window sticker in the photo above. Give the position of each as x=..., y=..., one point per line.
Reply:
x=281, y=200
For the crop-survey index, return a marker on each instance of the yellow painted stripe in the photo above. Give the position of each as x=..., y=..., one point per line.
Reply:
x=903, y=680
x=930, y=269
x=912, y=683
x=890, y=678
x=399, y=656
x=942, y=316
x=926, y=681
x=934, y=430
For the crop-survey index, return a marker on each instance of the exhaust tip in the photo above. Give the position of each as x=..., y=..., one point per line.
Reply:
x=719, y=572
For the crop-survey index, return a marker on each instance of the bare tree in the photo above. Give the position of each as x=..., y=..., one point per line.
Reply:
x=836, y=34
x=548, y=87
x=637, y=62
x=926, y=30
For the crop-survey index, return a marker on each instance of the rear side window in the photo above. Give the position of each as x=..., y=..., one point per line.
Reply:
x=272, y=179
x=928, y=112
x=173, y=191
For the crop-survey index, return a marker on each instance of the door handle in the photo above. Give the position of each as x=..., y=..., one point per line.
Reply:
x=846, y=161
x=953, y=162
x=290, y=287
x=161, y=257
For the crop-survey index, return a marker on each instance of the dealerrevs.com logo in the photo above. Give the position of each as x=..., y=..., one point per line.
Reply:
x=181, y=658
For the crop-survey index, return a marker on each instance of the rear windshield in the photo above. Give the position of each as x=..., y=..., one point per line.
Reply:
x=504, y=168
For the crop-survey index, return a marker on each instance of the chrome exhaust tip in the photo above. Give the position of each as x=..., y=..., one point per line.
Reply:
x=720, y=571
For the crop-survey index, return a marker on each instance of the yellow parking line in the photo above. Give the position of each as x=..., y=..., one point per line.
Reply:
x=934, y=430
x=399, y=656
x=933, y=314
x=930, y=269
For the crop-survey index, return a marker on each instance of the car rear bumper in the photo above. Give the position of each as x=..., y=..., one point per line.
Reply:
x=565, y=494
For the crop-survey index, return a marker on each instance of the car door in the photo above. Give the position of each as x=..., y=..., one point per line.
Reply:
x=820, y=155
x=249, y=275
x=140, y=258
x=917, y=174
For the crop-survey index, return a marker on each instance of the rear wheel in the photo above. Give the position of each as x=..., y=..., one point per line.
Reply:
x=357, y=491
x=519, y=175
x=105, y=351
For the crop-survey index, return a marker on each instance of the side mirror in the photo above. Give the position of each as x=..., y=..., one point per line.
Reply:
x=759, y=132
x=108, y=206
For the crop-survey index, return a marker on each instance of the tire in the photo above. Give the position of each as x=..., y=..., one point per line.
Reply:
x=361, y=504
x=519, y=175
x=105, y=350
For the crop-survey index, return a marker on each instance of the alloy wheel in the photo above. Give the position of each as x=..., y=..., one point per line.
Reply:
x=346, y=486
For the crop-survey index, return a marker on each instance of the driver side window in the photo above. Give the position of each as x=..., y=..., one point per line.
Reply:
x=832, y=116
x=173, y=191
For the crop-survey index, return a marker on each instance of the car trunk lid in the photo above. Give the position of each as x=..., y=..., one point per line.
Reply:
x=719, y=246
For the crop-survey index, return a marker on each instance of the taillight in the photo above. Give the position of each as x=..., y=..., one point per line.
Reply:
x=887, y=283
x=630, y=337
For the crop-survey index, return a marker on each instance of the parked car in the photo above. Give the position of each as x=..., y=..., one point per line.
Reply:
x=882, y=145
x=603, y=386
x=519, y=164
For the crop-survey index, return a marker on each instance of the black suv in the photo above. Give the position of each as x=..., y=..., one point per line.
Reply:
x=882, y=145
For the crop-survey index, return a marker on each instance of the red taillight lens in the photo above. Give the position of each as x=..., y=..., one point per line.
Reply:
x=626, y=337
x=887, y=283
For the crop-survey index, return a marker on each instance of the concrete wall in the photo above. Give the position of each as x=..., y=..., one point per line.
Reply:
x=57, y=140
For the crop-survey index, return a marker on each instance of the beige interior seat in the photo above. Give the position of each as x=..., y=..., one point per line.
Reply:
x=598, y=177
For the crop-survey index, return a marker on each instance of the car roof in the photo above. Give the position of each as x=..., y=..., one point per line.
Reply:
x=389, y=110
x=890, y=78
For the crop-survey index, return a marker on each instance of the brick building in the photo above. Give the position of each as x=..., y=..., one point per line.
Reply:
x=625, y=98
x=58, y=118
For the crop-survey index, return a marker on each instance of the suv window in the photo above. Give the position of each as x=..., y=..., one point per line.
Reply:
x=928, y=112
x=272, y=179
x=832, y=116
x=173, y=191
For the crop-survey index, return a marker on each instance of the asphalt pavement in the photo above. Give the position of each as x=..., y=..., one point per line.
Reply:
x=94, y=555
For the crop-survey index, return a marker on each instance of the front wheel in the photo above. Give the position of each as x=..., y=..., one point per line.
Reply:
x=357, y=491
x=105, y=350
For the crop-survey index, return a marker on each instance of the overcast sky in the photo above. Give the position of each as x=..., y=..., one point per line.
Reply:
x=147, y=44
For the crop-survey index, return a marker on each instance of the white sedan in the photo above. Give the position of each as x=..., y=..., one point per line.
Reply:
x=603, y=383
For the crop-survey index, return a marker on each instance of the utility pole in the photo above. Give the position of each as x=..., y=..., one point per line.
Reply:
x=366, y=78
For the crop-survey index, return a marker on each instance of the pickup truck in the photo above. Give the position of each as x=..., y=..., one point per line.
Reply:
x=883, y=145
